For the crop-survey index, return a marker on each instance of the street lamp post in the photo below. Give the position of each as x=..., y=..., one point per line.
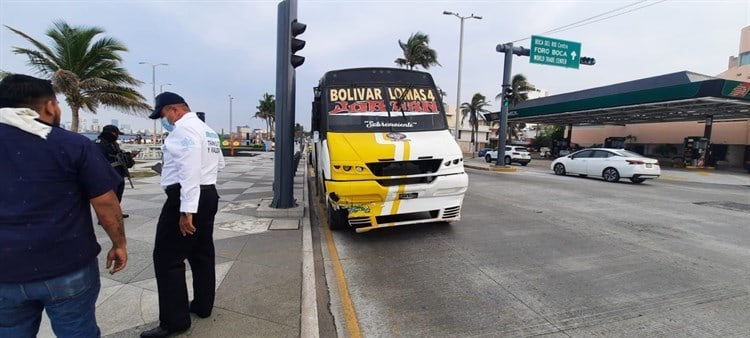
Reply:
x=153, y=84
x=231, y=139
x=460, y=57
x=161, y=87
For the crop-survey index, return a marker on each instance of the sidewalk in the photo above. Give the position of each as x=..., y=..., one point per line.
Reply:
x=718, y=176
x=261, y=265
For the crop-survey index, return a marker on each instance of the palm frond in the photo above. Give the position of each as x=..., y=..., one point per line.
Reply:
x=85, y=68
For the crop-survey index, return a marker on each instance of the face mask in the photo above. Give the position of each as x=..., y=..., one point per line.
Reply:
x=167, y=126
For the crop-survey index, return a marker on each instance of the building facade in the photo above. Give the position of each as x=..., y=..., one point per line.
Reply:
x=482, y=138
x=730, y=140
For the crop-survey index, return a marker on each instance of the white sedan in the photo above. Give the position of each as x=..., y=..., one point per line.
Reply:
x=611, y=164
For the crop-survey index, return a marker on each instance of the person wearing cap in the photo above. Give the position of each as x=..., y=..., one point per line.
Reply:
x=192, y=159
x=118, y=159
x=49, y=180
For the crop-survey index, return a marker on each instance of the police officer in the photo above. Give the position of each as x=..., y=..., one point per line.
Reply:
x=107, y=143
x=192, y=159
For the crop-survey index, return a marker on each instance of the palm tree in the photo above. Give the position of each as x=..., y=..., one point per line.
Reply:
x=299, y=131
x=86, y=71
x=267, y=112
x=473, y=109
x=417, y=52
x=521, y=87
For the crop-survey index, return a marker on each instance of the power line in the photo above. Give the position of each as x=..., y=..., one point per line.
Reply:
x=589, y=21
x=612, y=16
x=589, y=18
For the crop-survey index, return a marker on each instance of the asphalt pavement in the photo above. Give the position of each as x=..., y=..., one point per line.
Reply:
x=730, y=176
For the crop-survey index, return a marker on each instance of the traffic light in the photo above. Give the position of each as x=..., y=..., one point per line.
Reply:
x=287, y=45
x=296, y=45
x=507, y=96
x=589, y=61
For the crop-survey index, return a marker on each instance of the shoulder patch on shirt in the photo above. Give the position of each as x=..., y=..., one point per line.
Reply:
x=187, y=142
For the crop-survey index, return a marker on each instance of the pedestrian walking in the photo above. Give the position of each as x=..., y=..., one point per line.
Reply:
x=192, y=159
x=48, y=180
x=119, y=160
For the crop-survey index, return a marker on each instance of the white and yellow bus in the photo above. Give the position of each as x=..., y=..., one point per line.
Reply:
x=382, y=152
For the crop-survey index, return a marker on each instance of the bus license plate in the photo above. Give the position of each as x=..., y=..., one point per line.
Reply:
x=407, y=196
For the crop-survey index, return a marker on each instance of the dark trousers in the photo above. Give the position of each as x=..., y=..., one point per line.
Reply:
x=170, y=251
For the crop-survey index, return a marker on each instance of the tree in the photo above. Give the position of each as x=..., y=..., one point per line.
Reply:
x=472, y=109
x=442, y=93
x=86, y=70
x=548, y=135
x=299, y=131
x=267, y=112
x=521, y=87
x=417, y=52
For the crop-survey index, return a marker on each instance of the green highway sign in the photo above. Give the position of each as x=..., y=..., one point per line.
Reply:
x=554, y=52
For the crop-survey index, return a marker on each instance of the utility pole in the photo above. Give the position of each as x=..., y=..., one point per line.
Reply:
x=231, y=139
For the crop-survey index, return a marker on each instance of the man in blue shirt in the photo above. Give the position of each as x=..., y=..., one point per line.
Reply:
x=48, y=180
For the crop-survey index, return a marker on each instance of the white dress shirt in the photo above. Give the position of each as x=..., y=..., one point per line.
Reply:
x=192, y=157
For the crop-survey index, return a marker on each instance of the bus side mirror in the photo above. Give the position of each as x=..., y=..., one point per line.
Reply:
x=315, y=115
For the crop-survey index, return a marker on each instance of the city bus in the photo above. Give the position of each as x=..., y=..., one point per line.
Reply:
x=383, y=153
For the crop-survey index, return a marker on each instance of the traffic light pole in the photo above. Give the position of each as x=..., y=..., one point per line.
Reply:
x=283, y=178
x=503, y=132
x=502, y=135
x=509, y=50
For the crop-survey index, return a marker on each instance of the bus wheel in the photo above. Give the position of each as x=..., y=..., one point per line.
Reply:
x=336, y=218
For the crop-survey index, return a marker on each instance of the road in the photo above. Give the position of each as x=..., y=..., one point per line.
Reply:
x=539, y=254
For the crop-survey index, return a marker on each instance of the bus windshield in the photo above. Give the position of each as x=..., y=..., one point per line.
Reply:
x=383, y=109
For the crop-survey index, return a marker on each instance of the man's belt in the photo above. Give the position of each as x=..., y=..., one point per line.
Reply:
x=178, y=186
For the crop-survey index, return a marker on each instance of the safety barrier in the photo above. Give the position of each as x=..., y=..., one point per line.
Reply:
x=145, y=151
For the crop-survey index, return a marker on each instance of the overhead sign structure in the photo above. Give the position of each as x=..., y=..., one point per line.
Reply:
x=554, y=52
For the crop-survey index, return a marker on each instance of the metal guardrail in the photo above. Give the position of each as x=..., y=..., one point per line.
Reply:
x=146, y=151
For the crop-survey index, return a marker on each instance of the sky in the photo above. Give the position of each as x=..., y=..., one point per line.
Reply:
x=217, y=49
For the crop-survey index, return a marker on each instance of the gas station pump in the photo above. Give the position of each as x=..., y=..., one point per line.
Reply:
x=695, y=151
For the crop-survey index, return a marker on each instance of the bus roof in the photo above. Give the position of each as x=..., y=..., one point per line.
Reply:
x=373, y=75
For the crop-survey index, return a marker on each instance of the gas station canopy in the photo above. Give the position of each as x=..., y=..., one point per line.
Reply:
x=681, y=96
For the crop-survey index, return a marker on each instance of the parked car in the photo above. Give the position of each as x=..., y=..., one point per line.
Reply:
x=483, y=151
x=516, y=154
x=610, y=164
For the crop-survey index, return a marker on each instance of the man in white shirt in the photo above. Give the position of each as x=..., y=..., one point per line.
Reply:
x=192, y=159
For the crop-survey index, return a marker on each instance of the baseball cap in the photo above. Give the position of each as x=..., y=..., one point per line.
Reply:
x=111, y=129
x=165, y=99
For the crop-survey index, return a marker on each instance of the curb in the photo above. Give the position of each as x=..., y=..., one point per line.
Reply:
x=499, y=169
x=309, y=309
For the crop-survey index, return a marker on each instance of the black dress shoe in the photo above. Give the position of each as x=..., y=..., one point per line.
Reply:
x=197, y=313
x=159, y=332
x=125, y=215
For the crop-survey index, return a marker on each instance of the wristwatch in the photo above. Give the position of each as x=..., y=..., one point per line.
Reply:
x=185, y=214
